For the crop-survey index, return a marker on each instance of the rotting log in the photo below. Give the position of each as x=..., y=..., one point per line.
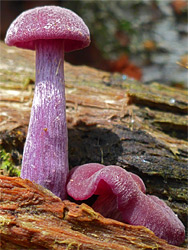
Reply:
x=142, y=128
x=31, y=217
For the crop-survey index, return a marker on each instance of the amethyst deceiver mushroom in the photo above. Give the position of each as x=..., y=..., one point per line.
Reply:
x=51, y=31
x=121, y=196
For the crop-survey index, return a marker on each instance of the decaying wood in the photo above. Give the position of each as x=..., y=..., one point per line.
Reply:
x=111, y=120
x=31, y=217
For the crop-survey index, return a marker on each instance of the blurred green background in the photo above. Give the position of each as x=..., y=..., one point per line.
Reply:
x=142, y=39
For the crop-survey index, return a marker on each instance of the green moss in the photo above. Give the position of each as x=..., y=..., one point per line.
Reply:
x=27, y=82
x=6, y=165
x=4, y=221
x=16, y=80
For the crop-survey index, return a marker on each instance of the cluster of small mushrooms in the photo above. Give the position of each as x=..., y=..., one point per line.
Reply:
x=51, y=31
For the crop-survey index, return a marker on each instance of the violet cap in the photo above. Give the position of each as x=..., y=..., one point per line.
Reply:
x=48, y=22
x=121, y=196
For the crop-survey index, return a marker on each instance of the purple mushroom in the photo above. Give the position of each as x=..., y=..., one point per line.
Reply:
x=51, y=31
x=121, y=196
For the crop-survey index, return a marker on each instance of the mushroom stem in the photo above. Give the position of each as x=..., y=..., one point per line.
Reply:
x=45, y=157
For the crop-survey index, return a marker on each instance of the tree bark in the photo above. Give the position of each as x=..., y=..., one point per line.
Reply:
x=142, y=128
x=31, y=217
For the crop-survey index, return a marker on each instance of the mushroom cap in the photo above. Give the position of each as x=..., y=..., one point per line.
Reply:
x=121, y=195
x=48, y=22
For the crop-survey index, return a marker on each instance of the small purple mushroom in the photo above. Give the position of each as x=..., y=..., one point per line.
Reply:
x=121, y=196
x=51, y=31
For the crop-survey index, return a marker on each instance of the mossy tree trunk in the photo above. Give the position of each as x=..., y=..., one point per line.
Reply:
x=142, y=128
